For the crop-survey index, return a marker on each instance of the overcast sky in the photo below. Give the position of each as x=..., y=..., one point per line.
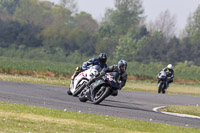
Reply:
x=180, y=8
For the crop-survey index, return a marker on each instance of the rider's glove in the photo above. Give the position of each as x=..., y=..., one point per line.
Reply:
x=84, y=66
x=102, y=73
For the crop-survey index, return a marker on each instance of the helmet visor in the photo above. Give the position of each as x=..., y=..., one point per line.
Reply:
x=102, y=60
x=123, y=68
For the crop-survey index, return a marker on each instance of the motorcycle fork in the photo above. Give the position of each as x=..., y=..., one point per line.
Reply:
x=91, y=94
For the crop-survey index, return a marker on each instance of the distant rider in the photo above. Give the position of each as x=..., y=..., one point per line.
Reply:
x=101, y=61
x=120, y=69
x=170, y=75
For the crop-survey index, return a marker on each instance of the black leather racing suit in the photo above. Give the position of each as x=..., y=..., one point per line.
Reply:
x=122, y=75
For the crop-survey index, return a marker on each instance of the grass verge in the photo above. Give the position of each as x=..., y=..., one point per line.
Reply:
x=36, y=79
x=191, y=110
x=152, y=86
x=23, y=118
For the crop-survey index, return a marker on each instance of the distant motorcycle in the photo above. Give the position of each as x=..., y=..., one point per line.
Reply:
x=82, y=79
x=102, y=88
x=162, y=82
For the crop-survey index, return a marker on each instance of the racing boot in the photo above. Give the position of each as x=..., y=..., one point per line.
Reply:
x=88, y=93
x=75, y=74
x=114, y=93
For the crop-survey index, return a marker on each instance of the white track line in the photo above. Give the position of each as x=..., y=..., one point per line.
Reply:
x=175, y=114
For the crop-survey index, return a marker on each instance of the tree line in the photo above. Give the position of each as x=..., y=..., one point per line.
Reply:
x=122, y=33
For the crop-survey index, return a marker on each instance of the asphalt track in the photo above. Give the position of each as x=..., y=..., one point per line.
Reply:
x=128, y=104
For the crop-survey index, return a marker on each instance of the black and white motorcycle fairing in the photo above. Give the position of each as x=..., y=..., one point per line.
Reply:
x=162, y=81
x=82, y=79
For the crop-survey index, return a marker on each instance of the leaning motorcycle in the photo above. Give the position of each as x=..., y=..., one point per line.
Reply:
x=101, y=89
x=82, y=79
x=162, y=81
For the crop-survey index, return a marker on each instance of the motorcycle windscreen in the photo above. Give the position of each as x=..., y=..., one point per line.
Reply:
x=114, y=83
x=162, y=75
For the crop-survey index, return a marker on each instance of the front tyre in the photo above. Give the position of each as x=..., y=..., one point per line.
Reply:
x=160, y=86
x=79, y=89
x=164, y=88
x=101, y=94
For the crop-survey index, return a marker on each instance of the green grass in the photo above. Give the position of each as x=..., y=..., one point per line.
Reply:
x=152, y=86
x=62, y=69
x=191, y=110
x=35, y=67
x=36, y=79
x=23, y=118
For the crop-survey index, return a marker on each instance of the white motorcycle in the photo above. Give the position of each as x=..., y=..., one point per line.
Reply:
x=82, y=79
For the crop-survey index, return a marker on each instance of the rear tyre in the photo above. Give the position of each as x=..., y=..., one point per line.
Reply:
x=163, y=91
x=82, y=96
x=69, y=92
x=101, y=94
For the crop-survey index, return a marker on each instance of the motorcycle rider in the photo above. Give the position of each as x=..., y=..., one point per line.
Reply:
x=101, y=61
x=120, y=69
x=170, y=75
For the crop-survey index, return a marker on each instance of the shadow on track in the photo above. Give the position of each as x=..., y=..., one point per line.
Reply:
x=124, y=105
x=124, y=102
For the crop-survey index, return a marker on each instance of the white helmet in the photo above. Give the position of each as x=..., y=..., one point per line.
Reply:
x=170, y=66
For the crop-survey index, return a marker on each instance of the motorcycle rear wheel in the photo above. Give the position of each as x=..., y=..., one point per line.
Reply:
x=163, y=90
x=69, y=92
x=82, y=96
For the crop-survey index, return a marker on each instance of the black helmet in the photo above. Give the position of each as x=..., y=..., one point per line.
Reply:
x=102, y=58
x=122, y=65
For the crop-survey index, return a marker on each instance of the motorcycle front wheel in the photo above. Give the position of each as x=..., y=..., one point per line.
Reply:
x=164, y=88
x=160, y=84
x=101, y=94
x=78, y=89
